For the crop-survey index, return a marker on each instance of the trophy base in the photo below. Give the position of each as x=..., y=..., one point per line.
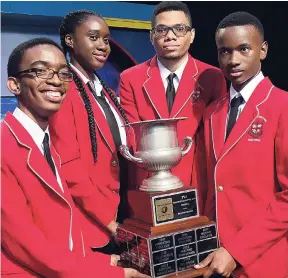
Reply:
x=170, y=250
x=161, y=181
x=158, y=208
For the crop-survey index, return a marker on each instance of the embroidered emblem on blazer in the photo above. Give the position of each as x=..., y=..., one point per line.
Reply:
x=256, y=129
x=196, y=95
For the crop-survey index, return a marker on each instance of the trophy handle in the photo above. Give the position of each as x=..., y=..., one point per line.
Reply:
x=187, y=143
x=126, y=153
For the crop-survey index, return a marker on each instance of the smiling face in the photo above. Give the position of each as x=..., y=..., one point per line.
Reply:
x=171, y=47
x=240, y=52
x=39, y=98
x=89, y=44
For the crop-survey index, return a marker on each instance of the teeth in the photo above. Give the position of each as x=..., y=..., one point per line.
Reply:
x=53, y=94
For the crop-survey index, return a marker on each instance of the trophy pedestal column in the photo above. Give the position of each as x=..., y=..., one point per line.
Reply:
x=165, y=236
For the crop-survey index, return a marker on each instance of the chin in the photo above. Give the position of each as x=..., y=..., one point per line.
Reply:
x=98, y=65
x=172, y=56
x=52, y=109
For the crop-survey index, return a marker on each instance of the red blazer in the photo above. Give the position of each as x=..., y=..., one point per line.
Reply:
x=248, y=178
x=37, y=217
x=94, y=186
x=143, y=97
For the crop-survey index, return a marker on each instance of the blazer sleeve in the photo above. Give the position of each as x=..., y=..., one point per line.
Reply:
x=26, y=244
x=93, y=200
x=273, y=225
x=127, y=99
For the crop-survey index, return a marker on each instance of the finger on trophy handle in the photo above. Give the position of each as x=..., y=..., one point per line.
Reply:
x=187, y=143
x=124, y=150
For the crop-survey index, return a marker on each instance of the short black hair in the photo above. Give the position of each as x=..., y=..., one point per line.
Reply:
x=17, y=54
x=168, y=6
x=241, y=19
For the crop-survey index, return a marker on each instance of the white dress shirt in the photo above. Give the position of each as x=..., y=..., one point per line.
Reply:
x=164, y=72
x=38, y=135
x=246, y=92
x=98, y=88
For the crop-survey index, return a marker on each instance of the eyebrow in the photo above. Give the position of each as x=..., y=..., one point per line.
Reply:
x=93, y=31
x=238, y=46
x=243, y=45
x=46, y=64
x=97, y=31
x=176, y=24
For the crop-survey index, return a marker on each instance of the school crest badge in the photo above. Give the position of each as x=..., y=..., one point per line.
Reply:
x=196, y=95
x=256, y=129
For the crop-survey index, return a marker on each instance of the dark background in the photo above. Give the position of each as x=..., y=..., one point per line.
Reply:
x=273, y=15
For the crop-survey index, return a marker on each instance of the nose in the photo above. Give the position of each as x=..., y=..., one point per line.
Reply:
x=234, y=59
x=102, y=45
x=54, y=80
x=170, y=35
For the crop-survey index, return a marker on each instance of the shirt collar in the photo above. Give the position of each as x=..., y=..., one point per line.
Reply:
x=248, y=89
x=96, y=81
x=31, y=127
x=164, y=72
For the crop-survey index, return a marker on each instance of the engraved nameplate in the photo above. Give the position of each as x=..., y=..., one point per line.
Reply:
x=164, y=269
x=161, y=243
x=175, y=206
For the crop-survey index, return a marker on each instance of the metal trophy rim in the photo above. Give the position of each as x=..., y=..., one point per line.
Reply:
x=157, y=120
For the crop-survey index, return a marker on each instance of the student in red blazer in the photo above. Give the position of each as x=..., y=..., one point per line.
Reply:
x=82, y=133
x=40, y=229
x=248, y=167
x=144, y=88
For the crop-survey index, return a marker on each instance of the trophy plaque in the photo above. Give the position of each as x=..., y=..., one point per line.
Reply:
x=164, y=235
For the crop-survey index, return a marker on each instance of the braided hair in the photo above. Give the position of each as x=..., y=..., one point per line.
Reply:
x=70, y=22
x=113, y=98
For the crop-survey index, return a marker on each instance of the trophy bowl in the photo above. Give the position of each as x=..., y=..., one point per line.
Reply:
x=157, y=151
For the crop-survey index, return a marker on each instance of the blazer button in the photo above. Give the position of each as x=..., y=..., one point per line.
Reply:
x=220, y=188
x=114, y=163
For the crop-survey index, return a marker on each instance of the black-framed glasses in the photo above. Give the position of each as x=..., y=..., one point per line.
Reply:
x=46, y=73
x=179, y=30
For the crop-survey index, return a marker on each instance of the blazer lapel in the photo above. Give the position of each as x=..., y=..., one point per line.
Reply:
x=128, y=129
x=35, y=159
x=186, y=88
x=218, y=125
x=57, y=161
x=112, y=103
x=101, y=122
x=249, y=114
x=155, y=91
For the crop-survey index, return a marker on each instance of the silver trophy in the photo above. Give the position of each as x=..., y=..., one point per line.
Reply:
x=158, y=151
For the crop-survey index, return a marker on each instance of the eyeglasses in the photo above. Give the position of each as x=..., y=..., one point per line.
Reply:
x=179, y=30
x=45, y=73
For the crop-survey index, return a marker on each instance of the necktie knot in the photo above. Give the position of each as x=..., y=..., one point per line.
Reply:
x=112, y=122
x=91, y=86
x=170, y=91
x=170, y=77
x=47, y=152
x=237, y=101
x=46, y=139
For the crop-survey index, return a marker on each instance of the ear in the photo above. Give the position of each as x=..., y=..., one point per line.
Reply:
x=151, y=35
x=14, y=86
x=263, y=50
x=192, y=35
x=69, y=40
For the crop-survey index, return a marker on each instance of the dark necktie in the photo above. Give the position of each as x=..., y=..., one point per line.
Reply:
x=109, y=115
x=47, y=152
x=170, y=92
x=234, y=106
